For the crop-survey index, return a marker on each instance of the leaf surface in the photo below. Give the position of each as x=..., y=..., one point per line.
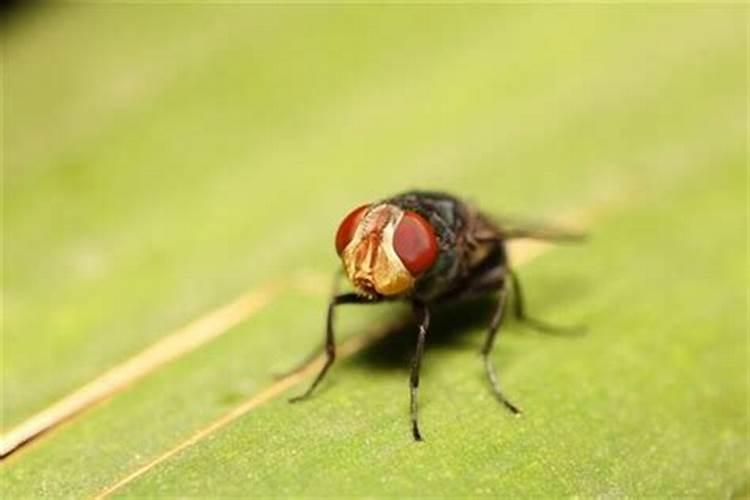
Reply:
x=186, y=154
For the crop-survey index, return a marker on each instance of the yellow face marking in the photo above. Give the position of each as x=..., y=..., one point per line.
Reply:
x=370, y=261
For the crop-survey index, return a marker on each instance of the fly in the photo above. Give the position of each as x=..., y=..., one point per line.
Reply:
x=429, y=248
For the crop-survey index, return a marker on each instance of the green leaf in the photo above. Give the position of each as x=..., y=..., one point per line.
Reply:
x=162, y=160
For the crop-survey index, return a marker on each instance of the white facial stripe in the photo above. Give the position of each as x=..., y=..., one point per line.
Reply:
x=364, y=225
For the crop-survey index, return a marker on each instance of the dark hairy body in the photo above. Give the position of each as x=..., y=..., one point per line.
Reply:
x=471, y=262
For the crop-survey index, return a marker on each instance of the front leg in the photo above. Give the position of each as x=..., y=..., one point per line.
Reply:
x=422, y=314
x=330, y=342
x=315, y=352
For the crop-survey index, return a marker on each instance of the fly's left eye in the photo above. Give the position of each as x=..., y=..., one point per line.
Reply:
x=348, y=227
x=415, y=243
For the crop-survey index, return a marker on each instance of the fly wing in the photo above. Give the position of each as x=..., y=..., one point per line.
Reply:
x=507, y=228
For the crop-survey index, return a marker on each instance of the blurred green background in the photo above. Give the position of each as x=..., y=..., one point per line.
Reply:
x=159, y=160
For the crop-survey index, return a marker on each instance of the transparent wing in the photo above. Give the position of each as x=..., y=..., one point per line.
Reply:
x=509, y=228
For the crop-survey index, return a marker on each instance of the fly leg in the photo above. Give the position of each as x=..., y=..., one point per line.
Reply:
x=489, y=368
x=422, y=314
x=316, y=352
x=330, y=343
x=519, y=309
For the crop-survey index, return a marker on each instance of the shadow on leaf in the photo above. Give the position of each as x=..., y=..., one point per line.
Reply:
x=452, y=326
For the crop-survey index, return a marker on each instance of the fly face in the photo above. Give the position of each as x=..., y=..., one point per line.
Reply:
x=384, y=249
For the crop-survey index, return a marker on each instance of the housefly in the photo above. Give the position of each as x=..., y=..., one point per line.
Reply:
x=429, y=248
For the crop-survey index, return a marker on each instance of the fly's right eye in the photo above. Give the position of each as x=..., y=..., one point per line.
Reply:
x=348, y=227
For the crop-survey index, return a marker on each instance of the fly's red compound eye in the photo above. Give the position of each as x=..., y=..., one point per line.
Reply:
x=348, y=227
x=415, y=243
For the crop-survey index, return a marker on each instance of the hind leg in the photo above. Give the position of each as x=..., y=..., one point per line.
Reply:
x=489, y=368
x=519, y=309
